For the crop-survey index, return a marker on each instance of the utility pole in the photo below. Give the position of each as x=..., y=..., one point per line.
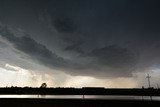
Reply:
x=148, y=77
x=149, y=84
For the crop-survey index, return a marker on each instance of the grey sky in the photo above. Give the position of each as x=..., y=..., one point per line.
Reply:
x=97, y=38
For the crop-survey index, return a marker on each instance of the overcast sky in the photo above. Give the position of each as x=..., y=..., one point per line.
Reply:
x=77, y=43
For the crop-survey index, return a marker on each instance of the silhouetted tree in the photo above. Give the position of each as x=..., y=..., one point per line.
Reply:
x=44, y=85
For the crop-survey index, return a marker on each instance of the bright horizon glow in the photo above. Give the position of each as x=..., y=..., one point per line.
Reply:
x=18, y=76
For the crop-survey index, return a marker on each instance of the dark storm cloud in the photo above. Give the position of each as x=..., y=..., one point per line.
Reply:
x=64, y=25
x=75, y=47
x=31, y=47
x=111, y=37
x=62, y=22
x=114, y=60
x=105, y=57
x=114, y=56
x=69, y=33
x=90, y=22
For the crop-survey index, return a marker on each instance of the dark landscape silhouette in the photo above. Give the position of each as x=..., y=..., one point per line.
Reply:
x=43, y=90
x=79, y=91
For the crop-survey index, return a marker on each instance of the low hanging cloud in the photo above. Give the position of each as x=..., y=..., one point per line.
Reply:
x=114, y=56
x=101, y=61
x=110, y=61
x=114, y=60
x=30, y=47
x=75, y=47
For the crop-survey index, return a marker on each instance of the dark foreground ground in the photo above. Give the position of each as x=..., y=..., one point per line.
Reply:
x=31, y=102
